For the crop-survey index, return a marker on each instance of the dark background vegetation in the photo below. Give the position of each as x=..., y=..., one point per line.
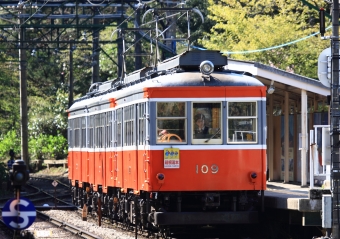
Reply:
x=229, y=26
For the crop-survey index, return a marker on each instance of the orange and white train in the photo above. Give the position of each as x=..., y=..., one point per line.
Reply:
x=182, y=143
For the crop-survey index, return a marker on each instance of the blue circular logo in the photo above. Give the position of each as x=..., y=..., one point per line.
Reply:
x=19, y=214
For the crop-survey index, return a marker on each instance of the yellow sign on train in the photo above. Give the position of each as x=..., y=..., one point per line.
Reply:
x=171, y=158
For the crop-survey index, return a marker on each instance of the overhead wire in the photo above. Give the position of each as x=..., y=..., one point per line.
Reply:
x=264, y=49
x=34, y=13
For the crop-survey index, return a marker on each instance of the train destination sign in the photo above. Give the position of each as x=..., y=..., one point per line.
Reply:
x=171, y=158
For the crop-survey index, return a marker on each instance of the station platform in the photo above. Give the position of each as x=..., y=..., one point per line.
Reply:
x=302, y=203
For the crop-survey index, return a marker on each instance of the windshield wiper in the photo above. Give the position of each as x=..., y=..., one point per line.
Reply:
x=219, y=129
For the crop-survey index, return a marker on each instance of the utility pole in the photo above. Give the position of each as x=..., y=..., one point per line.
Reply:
x=335, y=124
x=95, y=49
x=70, y=88
x=23, y=92
x=138, y=44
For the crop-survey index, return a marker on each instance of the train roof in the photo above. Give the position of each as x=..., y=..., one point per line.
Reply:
x=182, y=70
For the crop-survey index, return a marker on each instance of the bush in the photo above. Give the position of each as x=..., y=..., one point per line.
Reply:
x=3, y=173
x=48, y=146
x=41, y=146
x=12, y=140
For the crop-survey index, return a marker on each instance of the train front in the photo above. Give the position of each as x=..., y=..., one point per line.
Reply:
x=207, y=157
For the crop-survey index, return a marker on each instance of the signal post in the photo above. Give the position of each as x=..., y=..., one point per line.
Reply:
x=329, y=76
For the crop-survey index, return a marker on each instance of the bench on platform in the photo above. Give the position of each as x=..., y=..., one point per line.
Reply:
x=55, y=162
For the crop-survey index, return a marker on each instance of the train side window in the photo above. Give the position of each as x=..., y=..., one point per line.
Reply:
x=242, y=122
x=108, y=129
x=118, y=128
x=90, y=132
x=141, y=123
x=70, y=133
x=171, y=122
x=99, y=131
x=77, y=132
x=96, y=133
x=83, y=132
x=129, y=119
x=207, y=123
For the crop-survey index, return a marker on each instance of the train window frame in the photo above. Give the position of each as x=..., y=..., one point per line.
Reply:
x=99, y=130
x=70, y=133
x=142, y=123
x=166, y=135
x=129, y=118
x=77, y=132
x=90, y=128
x=206, y=111
x=244, y=134
x=119, y=127
x=83, y=132
x=108, y=130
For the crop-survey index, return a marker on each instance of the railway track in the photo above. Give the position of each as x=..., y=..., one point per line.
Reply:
x=63, y=228
x=54, y=218
x=41, y=192
x=45, y=196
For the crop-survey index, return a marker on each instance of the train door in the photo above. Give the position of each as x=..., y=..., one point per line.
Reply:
x=90, y=147
x=129, y=147
x=108, y=159
x=99, y=151
x=143, y=146
x=76, y=149
x=118, y=152
x=83, y=147
x=70, y=150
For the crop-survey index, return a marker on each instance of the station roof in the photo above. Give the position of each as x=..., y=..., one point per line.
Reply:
x=283, y=80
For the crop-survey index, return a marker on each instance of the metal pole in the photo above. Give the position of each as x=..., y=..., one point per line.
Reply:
x=70, y=94
x=23, y=95
x=95, y=49
x=335, y=116
x=138, y=44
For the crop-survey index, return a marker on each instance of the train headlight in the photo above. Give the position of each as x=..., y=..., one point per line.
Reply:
x=206, y=67
x=253, y=177
x=160, y=177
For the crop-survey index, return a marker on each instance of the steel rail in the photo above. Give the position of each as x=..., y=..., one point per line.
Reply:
x=68, y=227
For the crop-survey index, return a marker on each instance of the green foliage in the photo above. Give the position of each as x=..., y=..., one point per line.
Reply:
x=48, y=146
x=9, y=99
x=243, y=25
x=3, y=175
x=11, y=140
x=197, y=28
x=48, y=116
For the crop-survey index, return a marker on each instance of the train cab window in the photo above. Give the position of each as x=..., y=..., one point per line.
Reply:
x=242, y=122
x=207, y=123
x=171, y=123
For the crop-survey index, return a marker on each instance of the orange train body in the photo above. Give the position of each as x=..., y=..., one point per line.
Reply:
x=143, y=142
x=194, y=173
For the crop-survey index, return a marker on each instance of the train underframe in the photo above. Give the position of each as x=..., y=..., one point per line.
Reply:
x=159, y=210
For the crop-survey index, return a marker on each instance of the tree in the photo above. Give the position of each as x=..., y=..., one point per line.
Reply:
x=9, y=99
x=197, y=28
x=242, y=26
